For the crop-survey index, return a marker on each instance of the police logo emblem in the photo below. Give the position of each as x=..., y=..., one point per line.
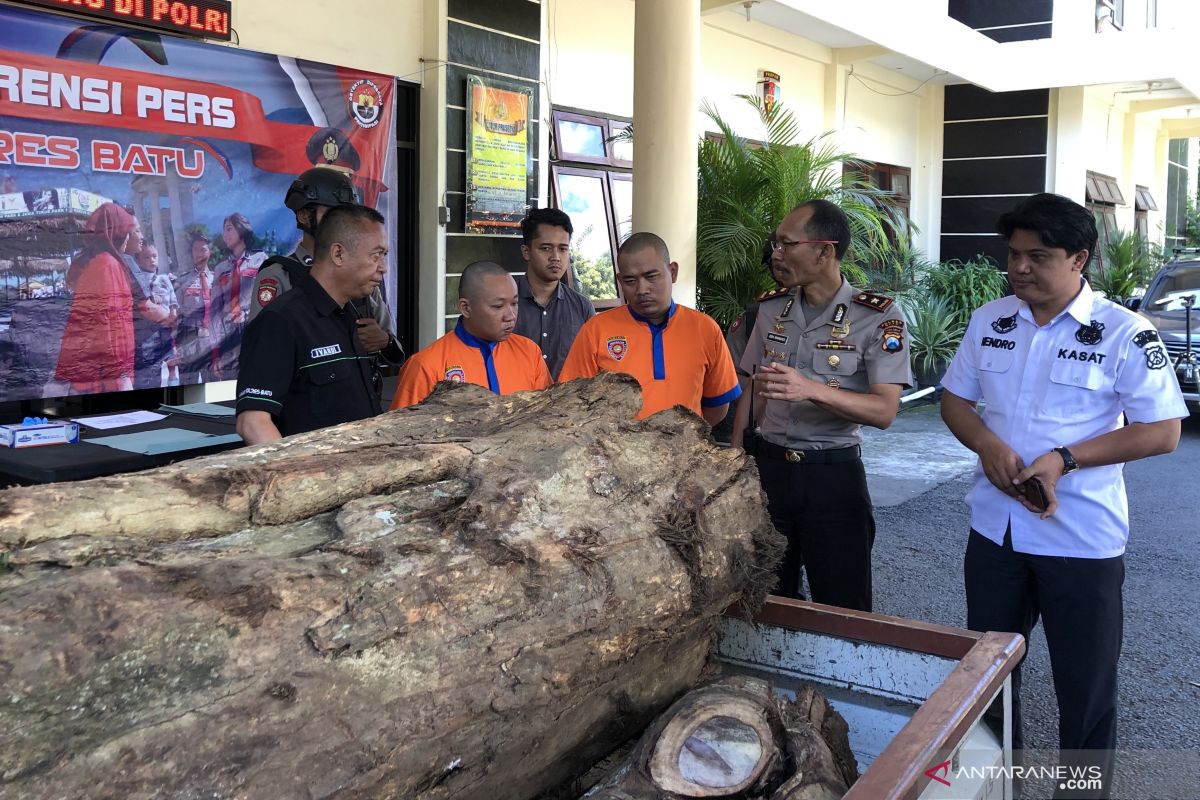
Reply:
x=1090, y=333
x=841, y=331
x=456, y=375
x=1156, y=357
x=893, y=335
x=267, y=291
x=330, y=150
x=1005, y=324
x=1146, y=337
x=617, y=347
x=366, y=103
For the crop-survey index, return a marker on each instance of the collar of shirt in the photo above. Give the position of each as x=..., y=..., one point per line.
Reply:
x=1080, y=308
x=322, y=302
x=656, y=339
x=525, y=290
x=485, y=349
x=824, y=316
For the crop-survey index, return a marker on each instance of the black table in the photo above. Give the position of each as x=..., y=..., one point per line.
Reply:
x=74, y=462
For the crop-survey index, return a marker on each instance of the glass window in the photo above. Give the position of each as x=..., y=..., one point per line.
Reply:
x=582, y=194
x=580, y=139
x=621, y=144
x=621, y=189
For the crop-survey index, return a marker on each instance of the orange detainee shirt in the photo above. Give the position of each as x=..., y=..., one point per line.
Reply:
x=514, y=365
x=684, y=362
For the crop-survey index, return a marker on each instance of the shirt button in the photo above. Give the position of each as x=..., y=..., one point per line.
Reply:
x=543, y=313
x=544, y=335
x=1077, y=380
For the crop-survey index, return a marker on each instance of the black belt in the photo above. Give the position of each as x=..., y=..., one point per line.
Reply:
x=838, y=456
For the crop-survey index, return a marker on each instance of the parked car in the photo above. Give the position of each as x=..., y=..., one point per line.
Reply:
x=1171, y=298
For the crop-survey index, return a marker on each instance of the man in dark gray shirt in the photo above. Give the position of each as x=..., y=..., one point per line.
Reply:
x=550, y=312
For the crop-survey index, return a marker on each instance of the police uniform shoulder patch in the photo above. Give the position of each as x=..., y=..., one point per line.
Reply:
x=1145, y=337
x=893, y=335
x=1151, y=344
x=772, y=294
x=737, y=323
x=875, y=302
x=268, y=289
x=455, y=374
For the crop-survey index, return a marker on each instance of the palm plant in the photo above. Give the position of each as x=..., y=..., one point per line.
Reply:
x=746, y=189
x=1126, y=266
x=934, y=332
x=966, y=285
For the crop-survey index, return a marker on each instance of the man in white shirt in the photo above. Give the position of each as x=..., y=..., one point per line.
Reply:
x=1057, y=366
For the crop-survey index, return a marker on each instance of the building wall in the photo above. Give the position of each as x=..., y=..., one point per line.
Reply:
x=365, y=34
x=877, y=114
x=996, y=144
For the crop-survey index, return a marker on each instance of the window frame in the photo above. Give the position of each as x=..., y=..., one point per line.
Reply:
x=606, y=193
x=610, y=168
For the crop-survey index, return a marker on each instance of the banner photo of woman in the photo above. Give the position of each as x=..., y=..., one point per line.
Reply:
x=142, y=180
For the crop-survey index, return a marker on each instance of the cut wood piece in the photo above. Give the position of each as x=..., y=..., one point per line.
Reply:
x=475, y=598
x=735, y=739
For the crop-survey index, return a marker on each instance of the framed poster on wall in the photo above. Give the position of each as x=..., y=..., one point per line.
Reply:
x=499, y=154
x=107, y=131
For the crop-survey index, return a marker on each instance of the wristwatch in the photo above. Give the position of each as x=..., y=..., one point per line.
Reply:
x=1069, y=462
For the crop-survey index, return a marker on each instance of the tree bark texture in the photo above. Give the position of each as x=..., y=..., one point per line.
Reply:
x=734, y=738
x=475, y=598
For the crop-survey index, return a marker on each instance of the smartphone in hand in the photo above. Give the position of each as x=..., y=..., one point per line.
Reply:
x=1035, y=493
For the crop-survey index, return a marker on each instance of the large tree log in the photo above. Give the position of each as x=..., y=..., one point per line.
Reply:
x=734, y=738
x=475, y=598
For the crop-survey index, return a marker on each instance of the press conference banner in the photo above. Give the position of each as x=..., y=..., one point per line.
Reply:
x=102, y=125
x=499, y=154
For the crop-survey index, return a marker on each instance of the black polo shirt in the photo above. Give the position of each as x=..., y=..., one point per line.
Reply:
x=303, y=364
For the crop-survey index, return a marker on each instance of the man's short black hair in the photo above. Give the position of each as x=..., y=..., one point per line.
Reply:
x=544, y=216
x=828, y=223
x=344, y=224
x=1059, y=221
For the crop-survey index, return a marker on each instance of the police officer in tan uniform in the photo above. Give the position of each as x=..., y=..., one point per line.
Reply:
x=826, y=359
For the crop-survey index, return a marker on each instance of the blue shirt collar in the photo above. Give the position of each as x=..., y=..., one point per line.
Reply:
x=466, y=338
x=665, y=322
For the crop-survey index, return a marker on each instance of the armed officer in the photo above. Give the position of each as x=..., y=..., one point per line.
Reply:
x=827, y=359
x=310, y=196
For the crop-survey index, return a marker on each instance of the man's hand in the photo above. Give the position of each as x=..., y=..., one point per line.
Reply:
x=779, y=382
x=1001, y=465
x=372, y=337
x=1048, y=469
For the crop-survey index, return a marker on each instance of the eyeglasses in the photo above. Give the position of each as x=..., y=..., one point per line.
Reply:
x=777, y=245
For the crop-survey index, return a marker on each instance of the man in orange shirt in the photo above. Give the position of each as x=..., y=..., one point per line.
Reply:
x=482, y=349
x=677, y=354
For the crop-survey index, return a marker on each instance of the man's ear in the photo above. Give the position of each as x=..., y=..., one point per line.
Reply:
x=1079, y=260
x=337, y=253
x=674, y=267
x=464, y=307
x=525, y=252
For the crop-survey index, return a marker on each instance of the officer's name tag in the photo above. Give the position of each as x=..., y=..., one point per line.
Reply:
x=777, y=337
x=331, y=350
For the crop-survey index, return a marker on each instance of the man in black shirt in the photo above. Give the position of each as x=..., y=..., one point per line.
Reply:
x=304, y=367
